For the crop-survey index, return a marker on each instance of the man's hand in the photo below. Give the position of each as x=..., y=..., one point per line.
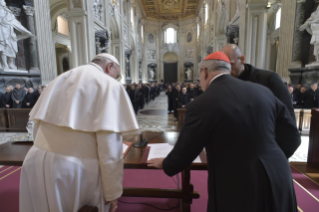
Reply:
x=183, y=106
x=7, y=106
x=192, y=99
x=303, y=27
x=156, y=162
x=28, y=104
x=17, y=102
x=113, y=205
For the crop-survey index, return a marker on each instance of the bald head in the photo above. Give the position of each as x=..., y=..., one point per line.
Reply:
x=236, y=58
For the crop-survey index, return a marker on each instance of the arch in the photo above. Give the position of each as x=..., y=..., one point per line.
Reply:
x=114, y=28
x=170, y=57
x=164, y=53
x=57, y=8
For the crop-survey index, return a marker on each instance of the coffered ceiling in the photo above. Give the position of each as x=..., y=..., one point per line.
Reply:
x=169, y=9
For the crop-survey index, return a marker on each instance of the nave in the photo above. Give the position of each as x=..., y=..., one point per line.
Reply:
x=154, y=117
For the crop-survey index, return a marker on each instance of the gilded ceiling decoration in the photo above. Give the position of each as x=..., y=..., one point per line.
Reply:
x=169, y=9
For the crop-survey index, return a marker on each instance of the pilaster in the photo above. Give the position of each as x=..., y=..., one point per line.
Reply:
x=287, y=28
x=46, y=48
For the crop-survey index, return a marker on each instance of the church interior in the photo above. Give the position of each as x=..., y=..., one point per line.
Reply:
x=159, y=46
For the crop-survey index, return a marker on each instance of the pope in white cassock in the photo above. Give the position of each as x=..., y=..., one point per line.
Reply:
x=77, y=156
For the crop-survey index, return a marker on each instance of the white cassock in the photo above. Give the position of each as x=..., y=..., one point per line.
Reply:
x=77, y=156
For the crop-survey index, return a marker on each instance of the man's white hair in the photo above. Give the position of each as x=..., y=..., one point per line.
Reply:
x=215, y=65
x=104, y=59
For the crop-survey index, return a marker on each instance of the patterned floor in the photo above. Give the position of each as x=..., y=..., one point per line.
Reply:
x=151, y=122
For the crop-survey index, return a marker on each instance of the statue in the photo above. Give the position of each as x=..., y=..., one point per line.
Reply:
x=8, y=37
x=222, y=16
x=189, y=74
x=151, y=74
x=312, y=27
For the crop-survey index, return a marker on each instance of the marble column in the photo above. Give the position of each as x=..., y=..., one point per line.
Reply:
x=256, y=33
x=287, y=27
x=82, y=34
x=46, y=47
x=33, y=54
x=297, y=43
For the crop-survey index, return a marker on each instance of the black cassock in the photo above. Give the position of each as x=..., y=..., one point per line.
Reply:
x=248, y=170
x=30, y=98
x=192, y=94
x=175, y=99
x=6, y=99
x=183, y=99
x=134, y=96
x=310, y=99
x=272, y=81
x=170, y=100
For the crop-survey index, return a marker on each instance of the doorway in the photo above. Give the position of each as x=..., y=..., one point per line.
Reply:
x=170, y=61
x=170, y=72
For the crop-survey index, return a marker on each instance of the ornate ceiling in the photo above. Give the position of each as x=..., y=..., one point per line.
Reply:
x=169, y=9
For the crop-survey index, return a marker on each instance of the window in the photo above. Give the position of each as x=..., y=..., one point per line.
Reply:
x=142, y=33
x=132, y=16
x=170, y=36
x=63, y=26
x=278, y=18
x=206, y=13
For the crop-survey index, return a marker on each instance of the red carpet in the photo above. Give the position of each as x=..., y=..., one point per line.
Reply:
x=307, y=191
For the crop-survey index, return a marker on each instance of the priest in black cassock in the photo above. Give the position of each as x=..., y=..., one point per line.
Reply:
x=183, y=99
x=192, y=92
x=247, y=72
x=310, y=97
x=6, y=98
x=30, y=99
x=176, y=93
x=235, y=122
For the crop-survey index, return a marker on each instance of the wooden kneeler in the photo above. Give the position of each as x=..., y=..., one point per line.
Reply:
x=89, y=209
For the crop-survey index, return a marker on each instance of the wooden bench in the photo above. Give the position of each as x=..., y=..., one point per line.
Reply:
x=17, y=119
x=313, y=150
x=89, y=209
x=3, y=120
x=181, y=118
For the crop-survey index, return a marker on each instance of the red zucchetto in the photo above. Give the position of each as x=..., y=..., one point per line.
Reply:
x=218, y=56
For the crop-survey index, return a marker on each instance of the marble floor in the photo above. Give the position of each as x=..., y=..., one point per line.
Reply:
x=155, y=117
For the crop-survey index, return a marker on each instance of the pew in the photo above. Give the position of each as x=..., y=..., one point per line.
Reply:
x=313, y=150
x=3, y=120
x=88, y=209
x=17, y=119
x=181, y=117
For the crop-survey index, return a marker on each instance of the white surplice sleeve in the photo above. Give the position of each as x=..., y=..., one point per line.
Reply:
x=111, y=163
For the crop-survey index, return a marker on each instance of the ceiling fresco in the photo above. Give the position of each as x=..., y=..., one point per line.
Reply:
x=169, y=9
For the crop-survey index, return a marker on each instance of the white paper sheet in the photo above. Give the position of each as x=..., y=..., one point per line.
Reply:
x=124, y=148
x=162, y=150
